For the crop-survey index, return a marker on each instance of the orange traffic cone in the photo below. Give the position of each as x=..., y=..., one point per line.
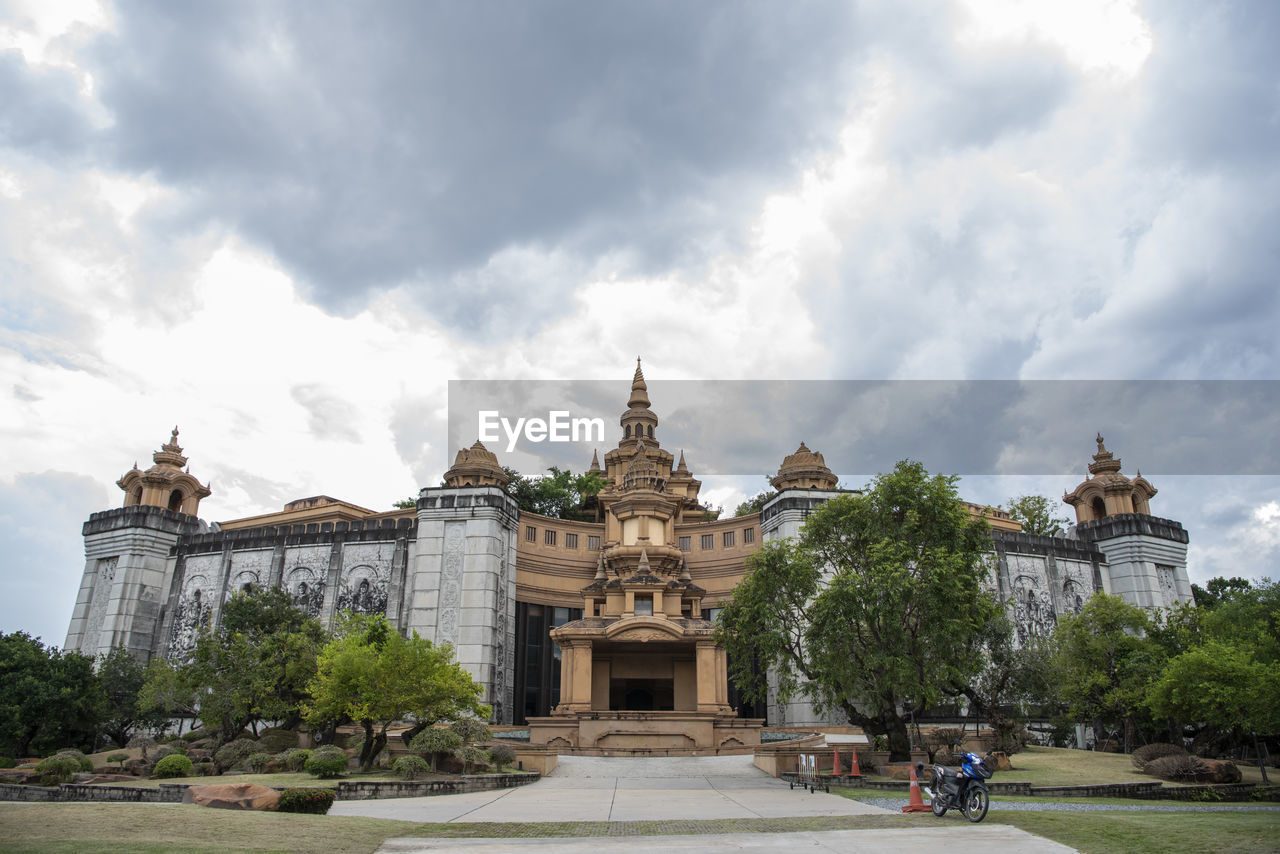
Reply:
x=917, y=802
x=835, y=763
x=854, y=770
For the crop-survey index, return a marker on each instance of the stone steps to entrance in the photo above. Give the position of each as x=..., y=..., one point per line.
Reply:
x=657, y=766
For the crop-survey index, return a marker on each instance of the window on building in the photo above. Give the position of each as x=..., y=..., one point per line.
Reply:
x=748, y=535
x=686, y=544
x=728, y=539
x=570, y=541
x=549, y=537
x=644, y=605
x=593, y=543
x=530, y=534
x=708, y=541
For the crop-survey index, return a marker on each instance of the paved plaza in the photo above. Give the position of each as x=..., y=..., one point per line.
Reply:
x=593, y=789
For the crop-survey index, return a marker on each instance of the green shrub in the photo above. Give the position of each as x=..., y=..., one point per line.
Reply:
x=233, y=752
x=295, y=758
x=161, y=752
x=471, y=756
x=277, y=740
x=7, y=762
x=432, y=742
x=471, y=730
x=411, y=767
x=173, y=765
x=327, y=762
x=307, y=800
x=84, y=762
x=1148, y=752
x=502, y=754
x=60, y=768
x=205, y=769
x=256, y=762
x=195, y=735
x=118, y=758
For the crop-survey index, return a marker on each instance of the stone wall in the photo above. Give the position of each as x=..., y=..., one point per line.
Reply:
x=360, y=790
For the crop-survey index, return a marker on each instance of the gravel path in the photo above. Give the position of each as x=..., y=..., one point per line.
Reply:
x=1054, y=806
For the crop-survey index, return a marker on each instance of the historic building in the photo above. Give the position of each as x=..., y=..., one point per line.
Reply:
x=599, y=634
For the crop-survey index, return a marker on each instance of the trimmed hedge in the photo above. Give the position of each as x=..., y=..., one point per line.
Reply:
x=315, y=801
x=295, y=758
x=85, y=763
x=1148, y=752
x=327, y=762
x=411, y=767
x=173, y=765
x=58, y=769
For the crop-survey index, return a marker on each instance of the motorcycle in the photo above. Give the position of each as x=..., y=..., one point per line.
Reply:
x=965, y=790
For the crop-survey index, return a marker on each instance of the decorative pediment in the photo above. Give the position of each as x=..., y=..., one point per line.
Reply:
x=643, y=630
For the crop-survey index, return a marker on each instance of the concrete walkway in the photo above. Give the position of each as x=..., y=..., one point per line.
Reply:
x=994, y=839
x=617, y=799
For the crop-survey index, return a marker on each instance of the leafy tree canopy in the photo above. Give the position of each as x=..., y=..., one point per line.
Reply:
x=559, y=494
x=877, y=608
x=373, y=675
x=48, y=698
x=1217, y=590
x=1104, y=660
x=755, y=503
x=1036, y=513
x=122, y=676
x=406, y=503
x=255, y=666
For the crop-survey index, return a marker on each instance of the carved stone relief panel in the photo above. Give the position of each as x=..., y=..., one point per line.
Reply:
x=1168, y=589
x=104, y=580
x=251, y=568
x=1077, y=585
x=451, y=582
x=195, y=604
x=306, y=586
x=366, y=578
x=1033, y=611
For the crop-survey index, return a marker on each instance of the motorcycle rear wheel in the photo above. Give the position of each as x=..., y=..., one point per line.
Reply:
x=976, y=803
x=938, y=802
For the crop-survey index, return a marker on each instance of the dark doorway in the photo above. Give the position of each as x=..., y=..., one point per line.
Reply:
x=642, y=695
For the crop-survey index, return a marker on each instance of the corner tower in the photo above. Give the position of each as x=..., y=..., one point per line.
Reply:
x=1146, y=555
x=127, y=564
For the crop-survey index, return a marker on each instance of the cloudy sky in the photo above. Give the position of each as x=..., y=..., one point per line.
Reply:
x=286, y=226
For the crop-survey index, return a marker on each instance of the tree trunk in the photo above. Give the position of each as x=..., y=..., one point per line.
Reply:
x=367, y=753
x=899, y=739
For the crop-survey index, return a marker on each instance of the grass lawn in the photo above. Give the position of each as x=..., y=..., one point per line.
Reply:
x=1150, y=832
x=1055, y=766
x=154, y=828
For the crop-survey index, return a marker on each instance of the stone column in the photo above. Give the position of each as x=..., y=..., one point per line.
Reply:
x=706, y=664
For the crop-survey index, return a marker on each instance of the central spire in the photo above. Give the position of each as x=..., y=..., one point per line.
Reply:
x=639, y=391
x=638, y=421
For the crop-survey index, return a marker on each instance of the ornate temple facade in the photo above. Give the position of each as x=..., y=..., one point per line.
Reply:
x=597, y=634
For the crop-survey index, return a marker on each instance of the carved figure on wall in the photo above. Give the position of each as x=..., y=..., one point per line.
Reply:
x=363, y=592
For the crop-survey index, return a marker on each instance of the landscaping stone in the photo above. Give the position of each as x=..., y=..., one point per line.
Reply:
x=233, y=796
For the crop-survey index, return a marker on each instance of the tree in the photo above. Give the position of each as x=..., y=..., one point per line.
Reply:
x=373, y=675
x=876, y=610
x=255, y=666
x=1217, y=590
x=755, y=503
x=560, y=494
x=48, y=698
x=1103, y=661
x=122, y=676
x=406, y=503
x=1012, y=684
x=1035, y=512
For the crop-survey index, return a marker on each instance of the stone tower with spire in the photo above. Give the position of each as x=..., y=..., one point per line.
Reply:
x=461, y=586
x=1146, y=555
x=127, y=556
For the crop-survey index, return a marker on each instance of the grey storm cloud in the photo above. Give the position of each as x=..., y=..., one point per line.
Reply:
x=395, y=143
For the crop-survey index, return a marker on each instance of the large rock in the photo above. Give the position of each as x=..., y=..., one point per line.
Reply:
x=233, y=796
x=1221, y=771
